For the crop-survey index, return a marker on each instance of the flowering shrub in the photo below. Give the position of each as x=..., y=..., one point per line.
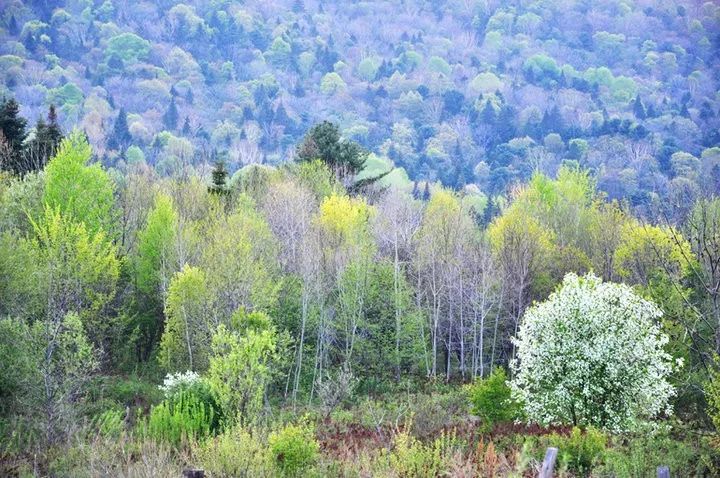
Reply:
x=592, y=354
x=178, y=382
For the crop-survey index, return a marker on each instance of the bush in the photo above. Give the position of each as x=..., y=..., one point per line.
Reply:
x=581, y=451
x=411, y=458
x=492, y=400
x=235, y=453
x=180, y=419
x=294, y=449
x=641, y=455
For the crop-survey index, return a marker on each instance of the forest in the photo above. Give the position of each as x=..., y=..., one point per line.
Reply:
x=359, y=238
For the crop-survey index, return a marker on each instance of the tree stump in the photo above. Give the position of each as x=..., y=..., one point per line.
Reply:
x=193, y=473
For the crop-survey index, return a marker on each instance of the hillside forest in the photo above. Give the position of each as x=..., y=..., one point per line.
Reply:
x=359, y=238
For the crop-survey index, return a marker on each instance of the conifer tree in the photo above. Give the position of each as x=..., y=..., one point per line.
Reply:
x=120, y=137
x=219, y=179
x=171, y=116
x=12, y=126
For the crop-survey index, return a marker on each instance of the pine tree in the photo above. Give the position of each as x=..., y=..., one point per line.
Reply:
x=120, y=137
x=684, y=111
x=13, y=26
x=12, y=126
x=171, y=116
x=639, y=108
x=45, y=142
x=186, y=129
x=219, y=179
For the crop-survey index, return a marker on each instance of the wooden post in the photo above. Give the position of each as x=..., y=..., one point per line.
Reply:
x=548, y=464
x=663, y=472
x=193, y=473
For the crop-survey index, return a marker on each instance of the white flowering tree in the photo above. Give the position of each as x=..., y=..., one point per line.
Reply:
x=592, y=354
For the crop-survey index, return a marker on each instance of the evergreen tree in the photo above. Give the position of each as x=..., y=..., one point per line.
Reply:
x=684, y=111
x=45, y=142
x=219, y=179
x=171, y=116
x=488, y=114
x=13, y=28
x=120, y=137
x=186, y=129
x=12, y=126
x=323, y=142
x=639, y=108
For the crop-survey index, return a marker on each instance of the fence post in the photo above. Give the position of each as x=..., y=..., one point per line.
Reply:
x=663, y=472
x=548, y=464
x=193, y=473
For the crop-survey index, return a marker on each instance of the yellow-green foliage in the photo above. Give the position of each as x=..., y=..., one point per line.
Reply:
x=294, y=449
x=646, y=251
x=240, y=368
x=155, y=243
x=186, y=338
x=410, y=458
x=236, y=453
x=181, y=419
x=78, y=189
x=78, y=268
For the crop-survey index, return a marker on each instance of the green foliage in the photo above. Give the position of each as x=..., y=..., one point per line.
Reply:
x=77, y=271
x=235, y=453
x=411, y=458
x=294, y=449
x=19, y=360
x=323, y=142
x=640, y=455
x=492, y=401
x=240, y=367
x=155, y=242
x=127, y=46
x=79, y=190
x=181, y=419
x=582, y=451
x=186, y=338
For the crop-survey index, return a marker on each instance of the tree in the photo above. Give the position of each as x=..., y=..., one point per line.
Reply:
x=219, y=179
x=67, y=361
x=78, y=189
x=345, y=158
x=120, y=137
x=639, y=108
x=77, y=272
x=185, y=343
x=12, y=126
x=171, y=116
x=155, y=264
x=592, y=354
x=241, y=364
x=45, y=142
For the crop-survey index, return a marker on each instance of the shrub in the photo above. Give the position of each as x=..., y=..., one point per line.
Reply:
x=235, y=453
x=411, y=458
x=581, y=451
x=492, y=400
x=641, y=455
x=183, y=418
x=294, y=449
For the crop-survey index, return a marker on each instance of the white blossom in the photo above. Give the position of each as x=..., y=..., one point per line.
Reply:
x=177, y=382
x=592, y=354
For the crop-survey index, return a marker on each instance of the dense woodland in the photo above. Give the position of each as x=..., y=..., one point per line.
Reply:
x=411, y=239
